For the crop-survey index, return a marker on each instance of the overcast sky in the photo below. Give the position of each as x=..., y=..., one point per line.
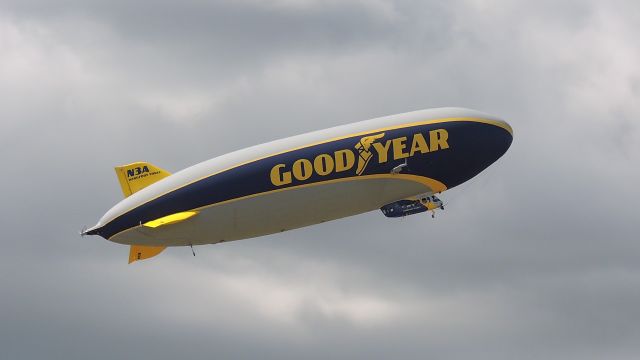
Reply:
x=536, y=258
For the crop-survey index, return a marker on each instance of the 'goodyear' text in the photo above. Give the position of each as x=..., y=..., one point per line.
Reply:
x=345, y=160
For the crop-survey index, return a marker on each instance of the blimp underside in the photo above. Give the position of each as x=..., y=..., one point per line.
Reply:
x=279, y=211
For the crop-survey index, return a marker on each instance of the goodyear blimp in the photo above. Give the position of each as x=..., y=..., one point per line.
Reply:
x=394, y=163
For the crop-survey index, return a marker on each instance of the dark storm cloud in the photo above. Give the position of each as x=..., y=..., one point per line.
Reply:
x=535, y=258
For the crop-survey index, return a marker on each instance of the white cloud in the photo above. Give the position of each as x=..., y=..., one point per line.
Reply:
x=241, y=285
x=383, y=9
x=179, y=106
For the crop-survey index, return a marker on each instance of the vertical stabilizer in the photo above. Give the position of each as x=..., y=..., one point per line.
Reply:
x=136, y=176
x=141, y=252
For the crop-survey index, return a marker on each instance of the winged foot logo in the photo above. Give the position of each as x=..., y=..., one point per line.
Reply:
x=364, y=151
x=345, y=159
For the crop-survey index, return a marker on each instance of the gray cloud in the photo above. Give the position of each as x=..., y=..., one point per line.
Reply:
x=535, y=258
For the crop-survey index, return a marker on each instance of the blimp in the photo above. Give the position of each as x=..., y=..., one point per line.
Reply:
x=396, y=164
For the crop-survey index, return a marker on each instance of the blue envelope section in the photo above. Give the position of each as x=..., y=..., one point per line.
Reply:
x=455, y=152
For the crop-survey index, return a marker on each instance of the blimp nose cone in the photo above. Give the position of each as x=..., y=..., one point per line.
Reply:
x=473, y=146
x=496, y=140
x=492, y=141
x=503, y=142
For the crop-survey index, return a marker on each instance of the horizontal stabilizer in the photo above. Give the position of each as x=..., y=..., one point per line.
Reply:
x=138, y=175
x=141, y=252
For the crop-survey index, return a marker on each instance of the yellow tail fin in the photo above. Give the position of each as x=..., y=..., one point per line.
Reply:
x=141, y=252
x=138, y=175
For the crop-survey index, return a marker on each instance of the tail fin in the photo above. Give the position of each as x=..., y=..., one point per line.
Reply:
x=134, y=177
x=141, y=252
x=138, y=175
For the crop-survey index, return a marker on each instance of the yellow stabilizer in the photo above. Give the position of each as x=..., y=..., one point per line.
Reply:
x=141, y=252
x=138, y=175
